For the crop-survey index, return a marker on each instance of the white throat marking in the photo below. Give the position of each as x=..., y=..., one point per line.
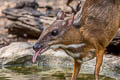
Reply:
x=68, y=46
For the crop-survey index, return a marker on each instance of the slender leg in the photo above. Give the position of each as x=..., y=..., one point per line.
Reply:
x=76, y=70
x=99, y=59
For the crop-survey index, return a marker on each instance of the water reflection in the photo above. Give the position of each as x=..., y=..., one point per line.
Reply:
x=41, y=73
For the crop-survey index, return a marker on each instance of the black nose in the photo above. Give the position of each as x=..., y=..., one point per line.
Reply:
x=36, y=46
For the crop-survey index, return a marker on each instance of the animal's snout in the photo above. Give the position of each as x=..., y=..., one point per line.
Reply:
x=36, y=46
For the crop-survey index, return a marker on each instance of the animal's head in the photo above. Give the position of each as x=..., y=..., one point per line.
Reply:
x=53, y=34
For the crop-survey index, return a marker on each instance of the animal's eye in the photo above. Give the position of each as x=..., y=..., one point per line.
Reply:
x=54, y=32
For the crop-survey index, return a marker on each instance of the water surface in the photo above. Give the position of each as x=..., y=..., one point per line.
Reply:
x=42, y=73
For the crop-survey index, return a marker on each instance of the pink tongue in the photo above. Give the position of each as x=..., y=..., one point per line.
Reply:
x=35, y=56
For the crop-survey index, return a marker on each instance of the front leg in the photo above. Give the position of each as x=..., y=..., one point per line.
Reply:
x=76, y=70
x=99, y=59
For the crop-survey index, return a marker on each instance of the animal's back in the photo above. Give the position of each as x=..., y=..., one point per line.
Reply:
x=101, y=22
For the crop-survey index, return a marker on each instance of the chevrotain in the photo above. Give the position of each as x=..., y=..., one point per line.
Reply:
x=98, y=25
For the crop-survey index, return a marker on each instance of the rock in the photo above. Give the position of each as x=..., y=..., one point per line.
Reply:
x=55, y=59
x=59, y=59
x=5, y=4
x=25, y=19
x=110, y=67
x=30, y=4
x=22, y=52
x=16, y=53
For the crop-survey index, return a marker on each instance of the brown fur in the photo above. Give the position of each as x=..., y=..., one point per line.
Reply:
x=99, y=24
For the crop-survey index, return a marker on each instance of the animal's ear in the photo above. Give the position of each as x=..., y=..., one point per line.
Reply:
x=70, y=20
x=60, y=15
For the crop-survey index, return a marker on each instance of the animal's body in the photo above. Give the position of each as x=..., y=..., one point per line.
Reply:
x=98, y=25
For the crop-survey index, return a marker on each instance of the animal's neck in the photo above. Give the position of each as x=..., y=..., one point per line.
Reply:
x=90, y=2
x=72, y=36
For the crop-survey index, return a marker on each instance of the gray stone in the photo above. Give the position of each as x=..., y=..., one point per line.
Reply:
x=17, y=52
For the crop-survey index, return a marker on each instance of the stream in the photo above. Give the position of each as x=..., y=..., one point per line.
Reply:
x=42, y=73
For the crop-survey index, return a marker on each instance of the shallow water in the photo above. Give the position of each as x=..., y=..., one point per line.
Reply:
x=42, y=73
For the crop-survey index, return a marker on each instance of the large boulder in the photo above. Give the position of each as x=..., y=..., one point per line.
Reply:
x=17, y=52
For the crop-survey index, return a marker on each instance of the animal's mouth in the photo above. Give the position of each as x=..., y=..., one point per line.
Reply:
x=40, y=51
